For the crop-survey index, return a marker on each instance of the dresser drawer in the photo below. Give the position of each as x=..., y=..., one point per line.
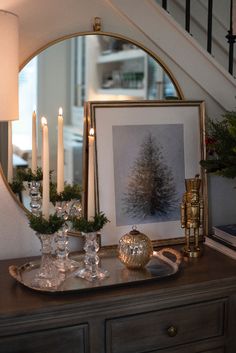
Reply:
x=73, y=339
x=165, y=328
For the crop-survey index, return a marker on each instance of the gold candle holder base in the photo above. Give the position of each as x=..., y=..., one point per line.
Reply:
x=193, y=253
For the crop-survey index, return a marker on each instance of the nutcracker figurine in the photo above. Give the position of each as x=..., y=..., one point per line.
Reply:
x=192, y=215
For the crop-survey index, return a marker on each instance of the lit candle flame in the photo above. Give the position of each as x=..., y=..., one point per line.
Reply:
x=60, y=111
x=43, y=121
x=91, y=132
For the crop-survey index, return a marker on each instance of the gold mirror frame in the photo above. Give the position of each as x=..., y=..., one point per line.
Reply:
x=97, y=33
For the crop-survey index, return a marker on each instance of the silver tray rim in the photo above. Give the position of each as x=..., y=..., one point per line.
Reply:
x=16, y=271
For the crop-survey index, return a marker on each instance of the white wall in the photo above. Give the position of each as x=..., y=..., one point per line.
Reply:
x=199, y=77
x=17, y=239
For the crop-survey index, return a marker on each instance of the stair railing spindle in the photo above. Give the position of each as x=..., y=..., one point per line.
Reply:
x=187, y=15
x=231, y=40
x=164, y=4
x=209, y=26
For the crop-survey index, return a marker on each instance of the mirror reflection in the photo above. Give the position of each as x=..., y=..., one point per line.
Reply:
x=91, y=67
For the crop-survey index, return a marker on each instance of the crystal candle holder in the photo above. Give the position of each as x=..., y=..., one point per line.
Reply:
x=63, y=262
x=91, y=270
x=35, y=196
x=48, y=275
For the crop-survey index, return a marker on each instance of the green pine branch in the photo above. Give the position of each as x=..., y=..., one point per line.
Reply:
x=26, y=174
x=87, y=226
x=221, y=146
x=71, y=192
x=41, y=225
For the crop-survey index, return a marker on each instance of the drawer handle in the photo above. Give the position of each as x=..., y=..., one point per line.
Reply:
x=172, y=331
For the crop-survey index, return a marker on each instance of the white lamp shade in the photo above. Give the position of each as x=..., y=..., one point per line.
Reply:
x=9, y=66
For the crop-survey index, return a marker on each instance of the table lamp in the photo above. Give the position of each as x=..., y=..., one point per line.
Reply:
x=9, y=67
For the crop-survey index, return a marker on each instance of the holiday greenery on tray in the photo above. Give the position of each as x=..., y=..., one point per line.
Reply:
x=87, y=226
x=221, y=146
x=40, y=225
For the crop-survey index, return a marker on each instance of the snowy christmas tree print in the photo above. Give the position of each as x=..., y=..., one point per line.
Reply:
x=151, y=189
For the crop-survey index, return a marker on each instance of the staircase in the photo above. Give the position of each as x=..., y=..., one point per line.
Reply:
x=182, y=50
x=210, y=23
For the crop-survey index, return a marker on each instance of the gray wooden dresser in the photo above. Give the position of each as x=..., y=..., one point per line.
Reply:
x=192, y=312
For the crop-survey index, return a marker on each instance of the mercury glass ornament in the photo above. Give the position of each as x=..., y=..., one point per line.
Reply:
x=135, y=249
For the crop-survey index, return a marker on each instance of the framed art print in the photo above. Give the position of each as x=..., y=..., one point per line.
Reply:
x=138, y=160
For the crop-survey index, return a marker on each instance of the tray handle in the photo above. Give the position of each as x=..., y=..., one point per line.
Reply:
x=13, y=271
x=176, y=253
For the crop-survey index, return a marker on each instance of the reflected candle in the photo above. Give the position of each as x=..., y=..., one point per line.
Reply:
x=45, y=154
x=34, y=144
x=60, y=153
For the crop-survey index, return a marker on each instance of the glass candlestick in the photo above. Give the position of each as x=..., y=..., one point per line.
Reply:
x=75, y=208
x=35, y=196
x=91, y=270
x=63, y=262
x=48, y=275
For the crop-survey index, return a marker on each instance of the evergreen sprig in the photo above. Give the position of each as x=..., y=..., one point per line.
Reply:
x=71, y=192
x=17, y=186
x=87, y=226
x=25, y=174
x=221, y=146
x=43, y=226
x=28, y=175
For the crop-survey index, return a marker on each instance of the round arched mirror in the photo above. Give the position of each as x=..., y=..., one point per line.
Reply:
x=70, y=72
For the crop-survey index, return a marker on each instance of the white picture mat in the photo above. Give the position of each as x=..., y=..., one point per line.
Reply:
x=106, y=118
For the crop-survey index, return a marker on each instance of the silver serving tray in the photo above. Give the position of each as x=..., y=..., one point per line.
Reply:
x=160, y=266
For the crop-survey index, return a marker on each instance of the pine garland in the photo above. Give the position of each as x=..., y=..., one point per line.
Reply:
x=87, y=226
x=43, y=226
x=221, y=146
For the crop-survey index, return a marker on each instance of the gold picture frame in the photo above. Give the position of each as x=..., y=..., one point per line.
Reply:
x=177, y=129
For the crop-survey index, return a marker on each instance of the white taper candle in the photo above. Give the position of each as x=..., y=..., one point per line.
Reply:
x=91, y=180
